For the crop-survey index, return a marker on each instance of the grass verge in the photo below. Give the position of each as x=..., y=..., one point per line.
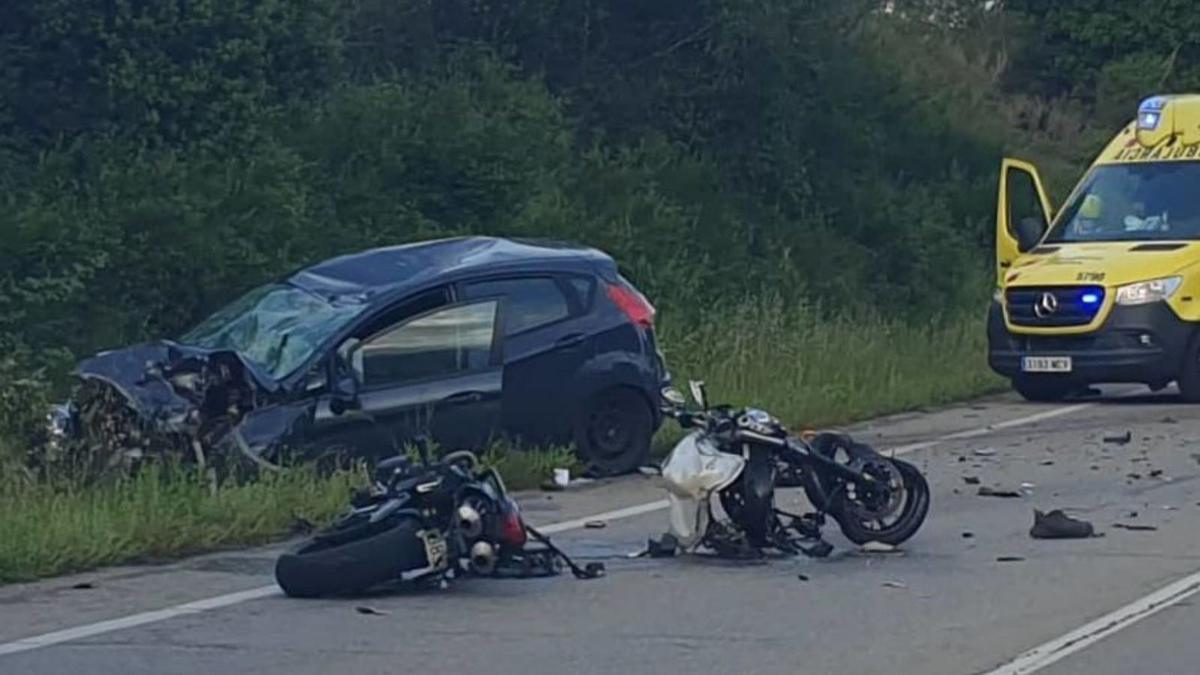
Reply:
x=807, y=369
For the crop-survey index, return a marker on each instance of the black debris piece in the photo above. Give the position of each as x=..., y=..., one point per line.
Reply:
x=971, y=480
x=83, y=586
x=802, y=577
x=968, y=535
x=1009, y=558
x=1136, y=528
x=1134, y=476
x=1058, y=525
x=595, y=524
x=1169, y=420
x=370, y=611
x=1156, y=473
x=665, y=547
x=986, y=491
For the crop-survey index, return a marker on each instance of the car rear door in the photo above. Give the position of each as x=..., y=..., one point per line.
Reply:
x=545, y=343
x=438, y=373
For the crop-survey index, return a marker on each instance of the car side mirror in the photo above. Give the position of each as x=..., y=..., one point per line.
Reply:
x=348, y=378
x=1029, y=233
x=699, y=393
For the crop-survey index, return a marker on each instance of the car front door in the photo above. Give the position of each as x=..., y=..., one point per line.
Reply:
x=439, y=373
x=544, y=346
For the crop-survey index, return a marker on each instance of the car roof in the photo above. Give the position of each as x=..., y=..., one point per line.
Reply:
x=409, y=266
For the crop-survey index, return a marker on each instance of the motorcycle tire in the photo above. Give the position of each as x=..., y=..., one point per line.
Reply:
x=338, y=565
x=912, y=516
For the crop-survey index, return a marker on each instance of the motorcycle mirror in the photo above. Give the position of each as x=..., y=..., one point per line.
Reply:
x=699, y=393
x=673, y=396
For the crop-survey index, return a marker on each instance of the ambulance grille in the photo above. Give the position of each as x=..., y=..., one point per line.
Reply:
x=1053, y=306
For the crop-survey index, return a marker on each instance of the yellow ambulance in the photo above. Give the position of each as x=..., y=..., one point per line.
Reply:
x=1107, y=288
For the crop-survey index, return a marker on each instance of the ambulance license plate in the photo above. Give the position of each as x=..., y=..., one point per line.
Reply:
x=1046, y=364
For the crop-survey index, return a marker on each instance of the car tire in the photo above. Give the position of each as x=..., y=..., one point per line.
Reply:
x=339, y=563
x=612, y=432
x=1189, y=376
x=1043, y=390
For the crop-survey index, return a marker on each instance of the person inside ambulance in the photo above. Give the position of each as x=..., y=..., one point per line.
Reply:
x=1124, y=203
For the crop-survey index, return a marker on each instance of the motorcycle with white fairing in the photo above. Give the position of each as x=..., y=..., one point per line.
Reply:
x=722, y=477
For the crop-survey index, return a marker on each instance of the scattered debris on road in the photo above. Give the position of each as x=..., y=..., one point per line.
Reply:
x=1118, y=438
x=895, y=584
x=1134, y=476
x=1168, y=507
x=1047, y=462
x=370, y=611
x=1136, y=528
x=83, y=586
x=595, y=524
x=985, y=452
x=802, y=577
x=1168, y=420
x=1009, y=558
x=971, y=480
x=1058, y=525
x=986, y=491
x=879, y=547
x=968, y=535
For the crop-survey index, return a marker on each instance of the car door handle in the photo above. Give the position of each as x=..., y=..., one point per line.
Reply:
x=464, y=398
x=568, y=341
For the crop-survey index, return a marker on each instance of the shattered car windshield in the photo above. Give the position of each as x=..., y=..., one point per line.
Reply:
x=277, y=326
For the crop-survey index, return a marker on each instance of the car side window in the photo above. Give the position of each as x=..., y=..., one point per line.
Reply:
x=443, y=343
x=533, y=302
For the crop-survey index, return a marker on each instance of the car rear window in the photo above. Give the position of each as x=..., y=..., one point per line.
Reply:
x=533, y=302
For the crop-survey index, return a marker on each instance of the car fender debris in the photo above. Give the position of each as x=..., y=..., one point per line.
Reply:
x=1058, y=525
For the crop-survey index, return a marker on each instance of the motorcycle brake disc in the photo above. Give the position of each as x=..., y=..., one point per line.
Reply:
x=876, y=502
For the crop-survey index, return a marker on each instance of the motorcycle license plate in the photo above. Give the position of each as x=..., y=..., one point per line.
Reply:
x=436, y=550
x=1046, y=364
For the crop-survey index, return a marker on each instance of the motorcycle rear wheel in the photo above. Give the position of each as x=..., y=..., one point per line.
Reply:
x=333, y=565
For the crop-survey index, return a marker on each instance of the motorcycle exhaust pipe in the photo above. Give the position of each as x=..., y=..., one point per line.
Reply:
x=483, y=558
x=470, y=523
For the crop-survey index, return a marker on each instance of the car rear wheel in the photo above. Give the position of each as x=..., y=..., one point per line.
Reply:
x=613, y=430
x=1043, y=389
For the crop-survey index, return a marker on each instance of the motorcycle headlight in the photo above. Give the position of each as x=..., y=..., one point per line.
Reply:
x=1145, y=292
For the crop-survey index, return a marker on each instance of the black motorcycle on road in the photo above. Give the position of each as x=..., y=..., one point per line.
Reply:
x=424, y=523
x=721, y=481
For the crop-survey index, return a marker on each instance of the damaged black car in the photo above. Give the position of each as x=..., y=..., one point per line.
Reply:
x=463, y=341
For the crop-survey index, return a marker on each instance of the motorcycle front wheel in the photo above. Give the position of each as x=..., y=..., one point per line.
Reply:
x=339, y=563
x=898, y=527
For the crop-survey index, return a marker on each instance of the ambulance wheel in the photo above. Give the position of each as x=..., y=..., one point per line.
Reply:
x=1043, y=389
x=1189, y=378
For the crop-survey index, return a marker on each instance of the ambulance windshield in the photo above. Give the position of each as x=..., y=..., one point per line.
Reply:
x=1133, y=202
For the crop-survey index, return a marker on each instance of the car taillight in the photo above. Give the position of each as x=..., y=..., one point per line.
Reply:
x=512, y=528
x=633, y=304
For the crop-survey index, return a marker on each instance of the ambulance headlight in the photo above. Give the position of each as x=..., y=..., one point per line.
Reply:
x=1145, y=292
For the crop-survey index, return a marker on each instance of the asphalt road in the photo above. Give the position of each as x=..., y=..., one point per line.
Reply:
x=972, y=593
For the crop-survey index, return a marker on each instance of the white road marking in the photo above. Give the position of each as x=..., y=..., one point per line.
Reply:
x=1061, y=647
x=984, y=431
x=627, y=512
x=143, y=618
